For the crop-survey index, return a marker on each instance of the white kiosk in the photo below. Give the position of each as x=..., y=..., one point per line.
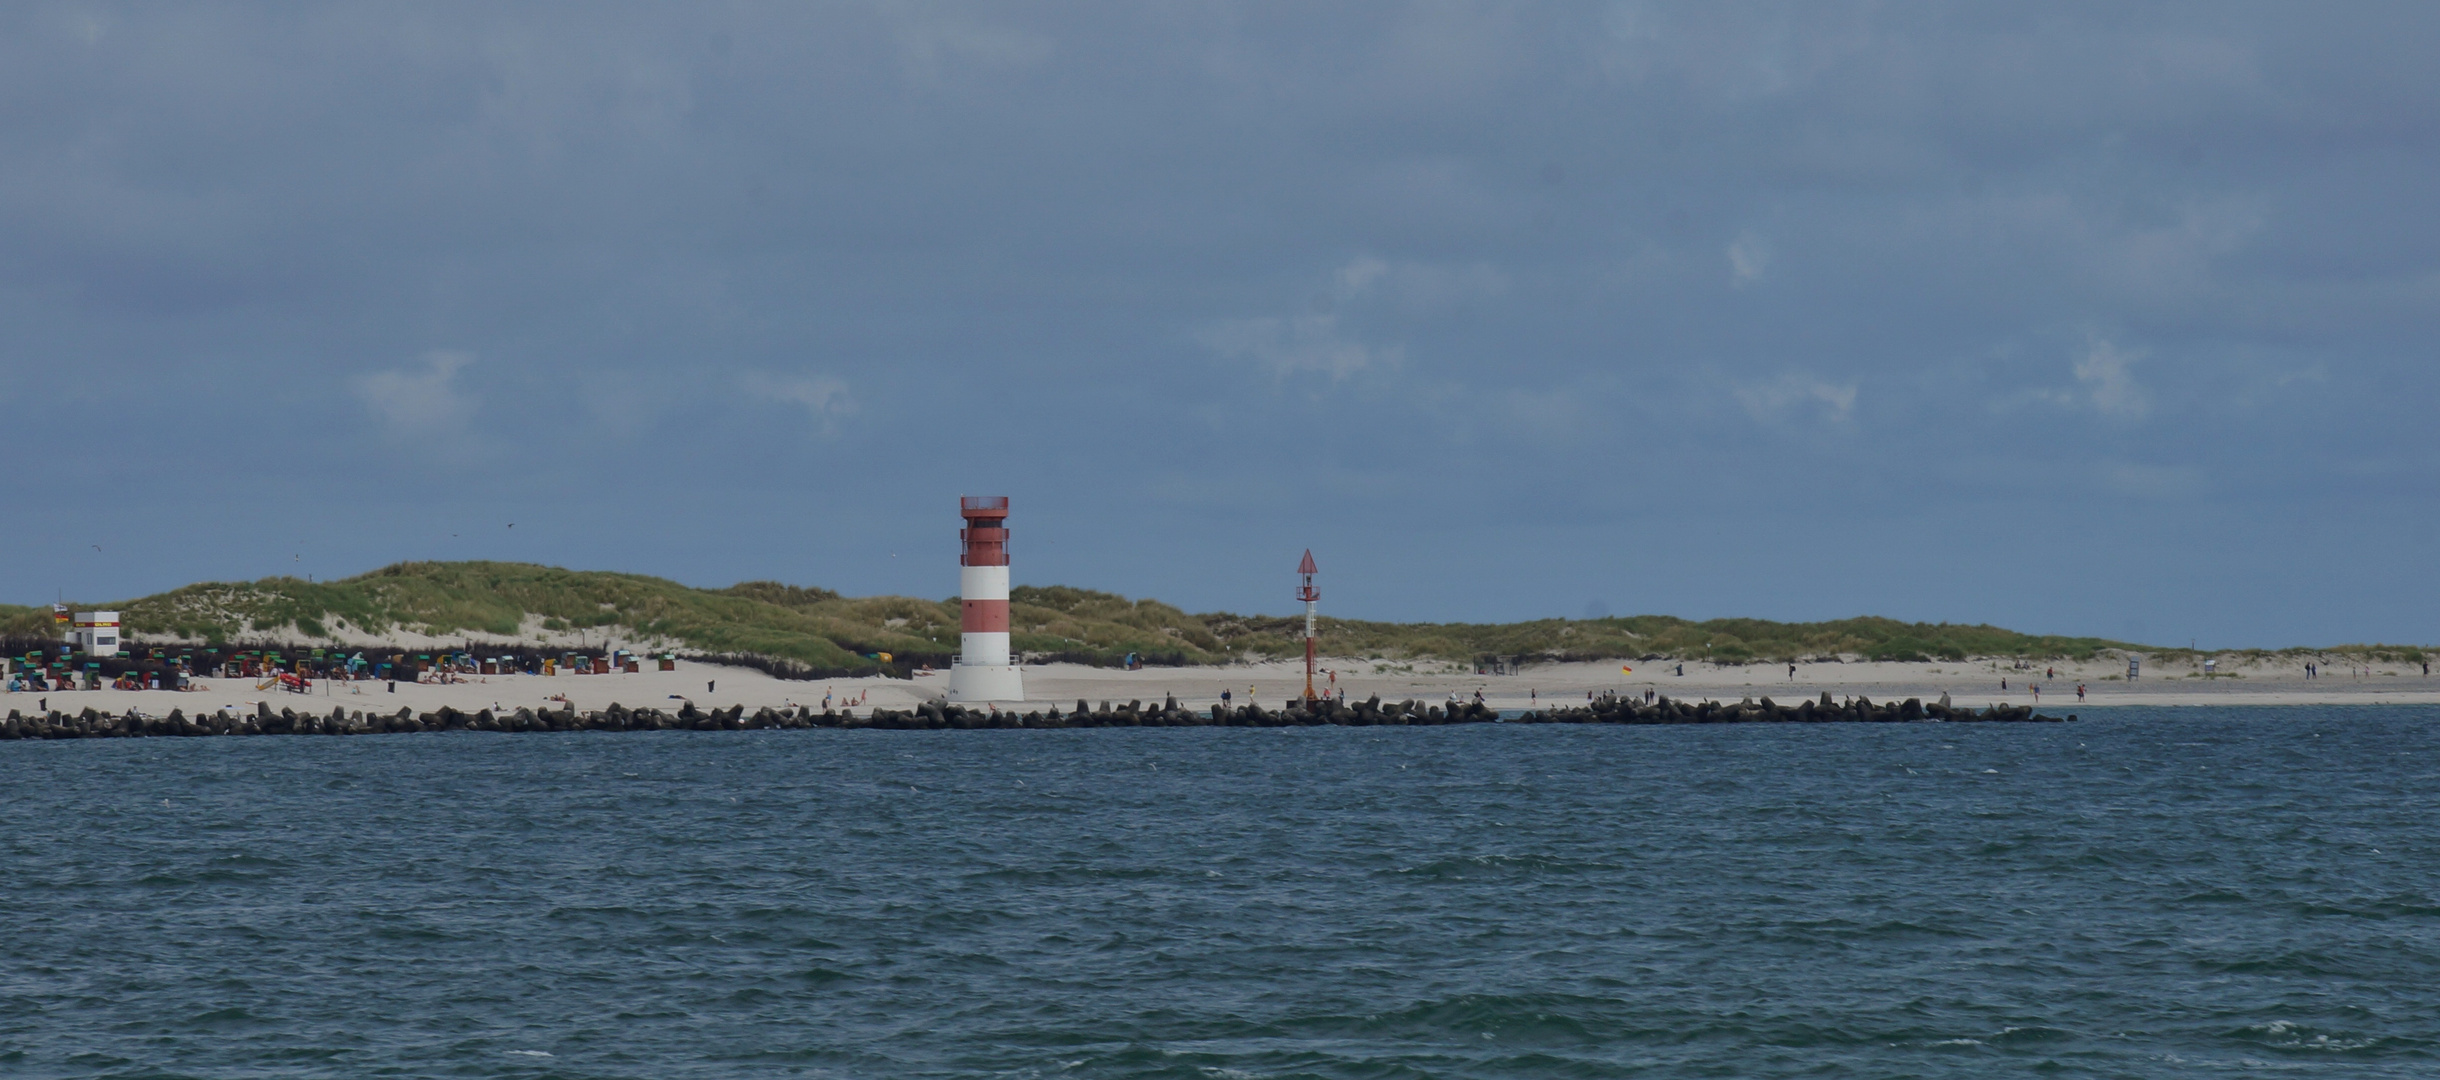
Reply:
x=95, y=633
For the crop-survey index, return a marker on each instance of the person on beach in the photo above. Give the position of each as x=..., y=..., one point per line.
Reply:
x=2003, y=686
x=2079, y=691
x=1224, y=698
x=1791, y=673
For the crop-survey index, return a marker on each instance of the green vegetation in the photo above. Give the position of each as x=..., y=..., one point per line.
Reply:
x=822, y=629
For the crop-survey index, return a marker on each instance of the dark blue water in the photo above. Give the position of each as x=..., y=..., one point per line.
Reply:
x=2143, y=894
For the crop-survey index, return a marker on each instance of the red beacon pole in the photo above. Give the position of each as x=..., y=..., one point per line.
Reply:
x=1308, y=594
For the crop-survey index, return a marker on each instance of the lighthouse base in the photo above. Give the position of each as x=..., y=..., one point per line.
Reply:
x=986, y=682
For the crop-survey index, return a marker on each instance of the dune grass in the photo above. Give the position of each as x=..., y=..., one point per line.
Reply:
x=824, y=630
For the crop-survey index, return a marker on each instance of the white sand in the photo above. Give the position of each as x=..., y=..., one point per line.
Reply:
x=1975, y=684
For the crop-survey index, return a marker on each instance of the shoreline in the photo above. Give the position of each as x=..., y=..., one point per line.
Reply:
x=1271, y=684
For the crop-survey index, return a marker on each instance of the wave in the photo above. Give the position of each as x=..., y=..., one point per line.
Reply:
x=2307, y=1040
x=1481, y=867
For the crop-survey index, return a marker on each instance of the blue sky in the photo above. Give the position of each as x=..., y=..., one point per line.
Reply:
x=2111, y=319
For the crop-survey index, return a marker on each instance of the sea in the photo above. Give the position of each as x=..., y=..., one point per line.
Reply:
x=2143, y=893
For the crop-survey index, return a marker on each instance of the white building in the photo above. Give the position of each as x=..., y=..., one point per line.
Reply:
x=95, y=633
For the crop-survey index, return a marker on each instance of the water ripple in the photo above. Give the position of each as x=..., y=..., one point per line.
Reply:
x=2144, y=894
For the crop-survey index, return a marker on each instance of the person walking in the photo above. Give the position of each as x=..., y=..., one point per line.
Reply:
x=2079, y=691
x=1791, y=673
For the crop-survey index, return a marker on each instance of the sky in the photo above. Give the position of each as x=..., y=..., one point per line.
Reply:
x=2104, y=319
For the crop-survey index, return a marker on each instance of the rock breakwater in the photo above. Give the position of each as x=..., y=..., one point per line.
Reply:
x=263, y=720
x=1856, y=710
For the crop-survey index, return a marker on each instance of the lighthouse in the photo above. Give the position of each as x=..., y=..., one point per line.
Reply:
x=982, y=671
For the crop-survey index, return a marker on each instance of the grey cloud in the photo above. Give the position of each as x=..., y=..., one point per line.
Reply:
x=825, y=400
x=2109, y=384
x=1370, y=253
x=1298, y=345
x=1748, y=259
x=421, y=400
x=1770, y=401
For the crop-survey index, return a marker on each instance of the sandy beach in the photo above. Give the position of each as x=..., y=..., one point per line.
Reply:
x=1974, y=683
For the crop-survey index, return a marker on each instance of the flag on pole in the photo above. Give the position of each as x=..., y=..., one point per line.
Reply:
x=59, y=613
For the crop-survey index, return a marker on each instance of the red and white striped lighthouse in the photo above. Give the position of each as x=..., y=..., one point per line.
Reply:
x=983, y=671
